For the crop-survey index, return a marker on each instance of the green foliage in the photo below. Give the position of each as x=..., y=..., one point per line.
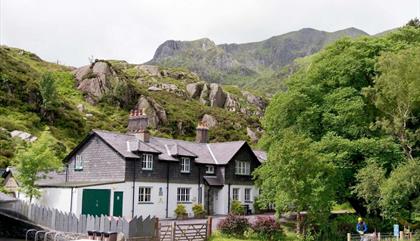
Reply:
x=298, y=178
x=400, y=193
x=198, y=210
x=181, y=211
x=415, y=22
x=370, y=179
x=34, y=161
x=236, y=208
x=48, y=90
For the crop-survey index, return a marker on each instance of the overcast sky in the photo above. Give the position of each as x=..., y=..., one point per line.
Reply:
x=73, y=30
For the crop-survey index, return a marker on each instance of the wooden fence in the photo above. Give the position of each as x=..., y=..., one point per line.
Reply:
x=198, y=231
x=53, y=219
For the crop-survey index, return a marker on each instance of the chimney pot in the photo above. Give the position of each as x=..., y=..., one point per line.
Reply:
x=202, y=133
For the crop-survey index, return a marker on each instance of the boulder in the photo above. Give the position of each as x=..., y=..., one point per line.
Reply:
x=255, y=100
x=93, y=80
x=154, y=88
x=80, y=107
x=209, y=120
x=252, y=135
x=231, y=104
x=169, y=87
x=23, y=135
x=194, y=89
x=152, y=70
x=154, y=111
x=204, y=95
x=217, y=96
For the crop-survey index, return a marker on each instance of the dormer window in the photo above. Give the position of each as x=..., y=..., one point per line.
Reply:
x=147, y=162
x=209, y=169
x=185, y=165
x=242, y=168
x=78, y=163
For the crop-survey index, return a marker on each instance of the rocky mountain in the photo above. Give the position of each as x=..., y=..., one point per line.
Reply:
x=101, y=94
x=249, y=63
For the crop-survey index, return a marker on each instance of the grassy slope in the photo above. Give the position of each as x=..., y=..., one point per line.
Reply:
x=20, y=105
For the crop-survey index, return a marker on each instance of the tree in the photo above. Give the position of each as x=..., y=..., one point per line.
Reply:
x=415, y=22
x=401, y=193
x=369, y=181
x=49, y=96
x=298, y=178
x=396, y=94
x=33, y=162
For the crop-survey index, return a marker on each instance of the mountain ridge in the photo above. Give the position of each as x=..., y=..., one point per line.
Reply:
x=244, y=63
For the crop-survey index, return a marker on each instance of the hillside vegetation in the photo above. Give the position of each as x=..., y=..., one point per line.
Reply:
x=258, y=65
x=36, y=95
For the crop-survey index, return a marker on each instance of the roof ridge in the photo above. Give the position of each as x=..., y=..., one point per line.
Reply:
x=212, y=154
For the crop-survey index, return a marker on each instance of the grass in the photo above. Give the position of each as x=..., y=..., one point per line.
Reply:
x=217, y=236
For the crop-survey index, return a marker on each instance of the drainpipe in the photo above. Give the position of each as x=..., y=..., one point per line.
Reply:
x=134, y=188
x=67, y=172
x=228, y=197
x=199, y=184
x=71, y=200
x=167, y=189
x=208, y=200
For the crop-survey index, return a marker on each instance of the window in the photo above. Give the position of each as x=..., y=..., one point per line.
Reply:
x=247, y=195
x=209, y=169
x=78, y=163
x=147, y=162
x=185, y=165
x=145, y=194
x=235, y=194
x=183, y=194
x=242, y=168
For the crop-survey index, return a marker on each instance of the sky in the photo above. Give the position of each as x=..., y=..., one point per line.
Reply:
x=72, y=31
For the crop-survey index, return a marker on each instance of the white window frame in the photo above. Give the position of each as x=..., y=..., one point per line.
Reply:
x=242, y=168
x=235, y=196
x=247, y=195
x=78, y=163
x=183, y=195
x=147, y=162
x=209, y=169
x=185, y=165
x=145, y=195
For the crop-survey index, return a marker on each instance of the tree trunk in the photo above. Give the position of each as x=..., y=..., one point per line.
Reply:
x=358, y=206
x=298, y=223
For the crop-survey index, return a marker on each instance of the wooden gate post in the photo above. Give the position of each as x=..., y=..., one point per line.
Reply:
x=401, y=235
x=157, y=229
x=209, y=226
x=379, y=236
x=173, y=231
x=348, y=237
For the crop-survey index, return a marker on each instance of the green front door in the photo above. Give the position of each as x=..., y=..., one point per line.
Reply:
x=96, y=201
x=118, y=204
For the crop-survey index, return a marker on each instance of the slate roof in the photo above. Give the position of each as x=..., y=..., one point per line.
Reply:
x=214, y=181
x=205, y=153
x=261, y=155
x=6, y=198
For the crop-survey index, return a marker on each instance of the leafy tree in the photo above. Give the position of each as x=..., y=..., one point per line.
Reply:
x=33, y=162
x=401, y=193
x=396, y=94
x=369, y=181
x=49, y=96
x=298, y=178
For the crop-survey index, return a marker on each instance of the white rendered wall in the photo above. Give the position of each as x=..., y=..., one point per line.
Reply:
x=58, y=198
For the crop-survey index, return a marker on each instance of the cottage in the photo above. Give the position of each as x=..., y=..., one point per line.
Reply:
x=8, y=181
x=137, y=174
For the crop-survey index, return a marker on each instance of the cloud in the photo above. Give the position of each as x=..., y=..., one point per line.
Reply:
x=73, y=30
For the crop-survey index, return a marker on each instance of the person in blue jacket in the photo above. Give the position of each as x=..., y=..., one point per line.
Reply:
x=361, y=227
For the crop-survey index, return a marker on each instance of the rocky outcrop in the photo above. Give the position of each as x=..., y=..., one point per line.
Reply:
x=255, y=100
x=151, y=70
x=231, y=103
x=94, y=80
x=194, y=89
x=217, y=96
x=204, y=96
x=252, y=135
x=155, y=112
x=209, y=120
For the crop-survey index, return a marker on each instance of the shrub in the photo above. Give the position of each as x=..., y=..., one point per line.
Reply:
x=198, y=210
x=234, y=225
x=267, y=228
x=237, y=208
x=181, y=211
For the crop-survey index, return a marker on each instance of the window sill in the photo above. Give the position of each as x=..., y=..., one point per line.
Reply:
x=185, y=172
x=248, y=202
x=147, y=169
x=184, y=202
x=145, y=203
x=78, y=169
x=238, y=174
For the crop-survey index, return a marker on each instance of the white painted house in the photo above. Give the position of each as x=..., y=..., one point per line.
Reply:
x=135, y=174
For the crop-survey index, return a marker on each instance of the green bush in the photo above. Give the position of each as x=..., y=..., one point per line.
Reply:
x=236, y=208
x=198, y=210
x=181, y=211
x=267, y=228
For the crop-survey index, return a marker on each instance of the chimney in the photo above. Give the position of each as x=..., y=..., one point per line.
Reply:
x=202, y=133
x=137, y=124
